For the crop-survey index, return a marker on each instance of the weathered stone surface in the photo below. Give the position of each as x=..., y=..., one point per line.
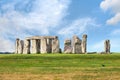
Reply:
x=35, y=46
x=38, y=44
x=55, y=45
x=16, y=45
x=20, y=47
x=26, y=47
x=40, y=37
x=43, y=45
x=84, y=43
x=76, y=44
x=67, y=46
x=107, y=46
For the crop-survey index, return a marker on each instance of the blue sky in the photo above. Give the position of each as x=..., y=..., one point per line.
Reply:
x=99, y=19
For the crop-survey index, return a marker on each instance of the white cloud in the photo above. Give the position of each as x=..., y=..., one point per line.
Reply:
x=114, y=6
x=6, y=45
x=37, y=17
x=78, y=27
x=114, y=20
x=20, y=20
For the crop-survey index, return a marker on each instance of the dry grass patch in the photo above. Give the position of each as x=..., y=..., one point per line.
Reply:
x=79, y=75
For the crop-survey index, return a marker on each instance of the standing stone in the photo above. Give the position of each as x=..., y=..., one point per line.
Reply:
x=26, y=47
x=84, y=43
x=107, y=46
x=20, y=47
x=38, y=44
x=34, y=46
x=55, y=45
x=16, y=45
x=43, y=45
x=49, y=45
x=67, y=46
x=76, y=43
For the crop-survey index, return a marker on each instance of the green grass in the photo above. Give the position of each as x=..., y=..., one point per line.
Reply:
x=101, y=64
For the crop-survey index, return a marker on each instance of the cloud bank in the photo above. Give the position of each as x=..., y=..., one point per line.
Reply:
x=114, y=7
x=20, y=18
x=78, y=27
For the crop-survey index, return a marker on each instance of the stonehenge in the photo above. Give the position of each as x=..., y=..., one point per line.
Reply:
x=50, y=44
x=37, y=44
x=76, y=46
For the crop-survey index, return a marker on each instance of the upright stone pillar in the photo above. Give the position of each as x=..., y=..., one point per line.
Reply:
x=76, y=43
x=43, y=45
x=20, y=47
x=67, y=46
x=55, y=45
x=49, y=45
x=26, y=47
x=34, y=46
x=107, y=46
x=16, y=45
x=84, y=43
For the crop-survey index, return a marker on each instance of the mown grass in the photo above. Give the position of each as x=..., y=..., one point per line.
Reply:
x=60, y=66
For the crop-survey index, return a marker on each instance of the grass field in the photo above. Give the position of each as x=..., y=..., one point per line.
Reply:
x=60, y=67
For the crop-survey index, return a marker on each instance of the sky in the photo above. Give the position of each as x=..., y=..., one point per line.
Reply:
x=99, y=19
